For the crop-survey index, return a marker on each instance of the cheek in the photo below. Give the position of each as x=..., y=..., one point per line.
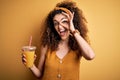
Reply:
x=56, y=28
x=67, y=27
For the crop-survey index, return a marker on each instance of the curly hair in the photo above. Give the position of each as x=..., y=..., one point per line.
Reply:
x=51, y=38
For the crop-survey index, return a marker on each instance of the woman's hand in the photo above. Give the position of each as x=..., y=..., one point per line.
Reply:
x=70, y=17
x=24, y=60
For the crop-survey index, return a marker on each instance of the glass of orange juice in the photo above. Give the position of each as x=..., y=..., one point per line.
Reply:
x=29, y=52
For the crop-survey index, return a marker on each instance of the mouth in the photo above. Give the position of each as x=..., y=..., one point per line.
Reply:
x=63, y=32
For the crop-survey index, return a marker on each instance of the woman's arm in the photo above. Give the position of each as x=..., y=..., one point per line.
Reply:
x=87, y=51
x=37, y=71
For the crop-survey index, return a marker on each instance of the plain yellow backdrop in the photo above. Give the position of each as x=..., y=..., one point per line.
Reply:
x=19, y=19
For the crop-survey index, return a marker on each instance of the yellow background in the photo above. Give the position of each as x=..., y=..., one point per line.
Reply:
x=21, y=18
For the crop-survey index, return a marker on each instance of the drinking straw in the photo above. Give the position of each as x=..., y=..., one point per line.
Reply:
x=30, y=41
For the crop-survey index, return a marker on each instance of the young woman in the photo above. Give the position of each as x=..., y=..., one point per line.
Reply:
x=64, y=42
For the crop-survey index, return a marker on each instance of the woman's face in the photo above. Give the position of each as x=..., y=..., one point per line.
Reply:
x=61, y=25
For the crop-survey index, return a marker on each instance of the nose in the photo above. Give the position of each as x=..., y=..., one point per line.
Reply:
x=60, y=26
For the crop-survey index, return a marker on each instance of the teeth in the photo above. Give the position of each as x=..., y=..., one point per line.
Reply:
x=62, y=30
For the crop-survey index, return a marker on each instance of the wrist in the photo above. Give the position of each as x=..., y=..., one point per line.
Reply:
x=32, y=66
x=75, y=31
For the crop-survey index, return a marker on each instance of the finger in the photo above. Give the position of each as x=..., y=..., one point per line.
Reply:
x=69, y=13
x=35, y=56
x=63, y=26
x=73, y=15
x=23, y=55
x=68, y=16
x=24, y=63
x=24, y=60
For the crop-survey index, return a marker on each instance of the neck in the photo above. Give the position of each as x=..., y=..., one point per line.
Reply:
x=64, y=44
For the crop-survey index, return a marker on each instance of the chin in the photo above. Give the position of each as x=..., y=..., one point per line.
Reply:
x=64, y=38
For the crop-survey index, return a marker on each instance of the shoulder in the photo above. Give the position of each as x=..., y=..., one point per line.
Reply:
x=43, y=50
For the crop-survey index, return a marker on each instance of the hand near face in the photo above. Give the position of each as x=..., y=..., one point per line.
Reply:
x=70, y=17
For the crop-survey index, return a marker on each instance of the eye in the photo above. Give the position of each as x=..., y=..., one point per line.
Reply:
x=65, y=21
x=55, y=23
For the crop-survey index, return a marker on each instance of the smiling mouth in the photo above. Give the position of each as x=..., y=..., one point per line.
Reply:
x=63, y=32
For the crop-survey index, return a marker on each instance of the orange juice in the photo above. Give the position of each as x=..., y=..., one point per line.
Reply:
x=29, y=52
x=30, y=58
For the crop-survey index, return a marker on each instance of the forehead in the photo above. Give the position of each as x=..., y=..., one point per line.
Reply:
x=59, y=17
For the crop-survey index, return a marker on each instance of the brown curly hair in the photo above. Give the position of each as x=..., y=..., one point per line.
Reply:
x=51, y=38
